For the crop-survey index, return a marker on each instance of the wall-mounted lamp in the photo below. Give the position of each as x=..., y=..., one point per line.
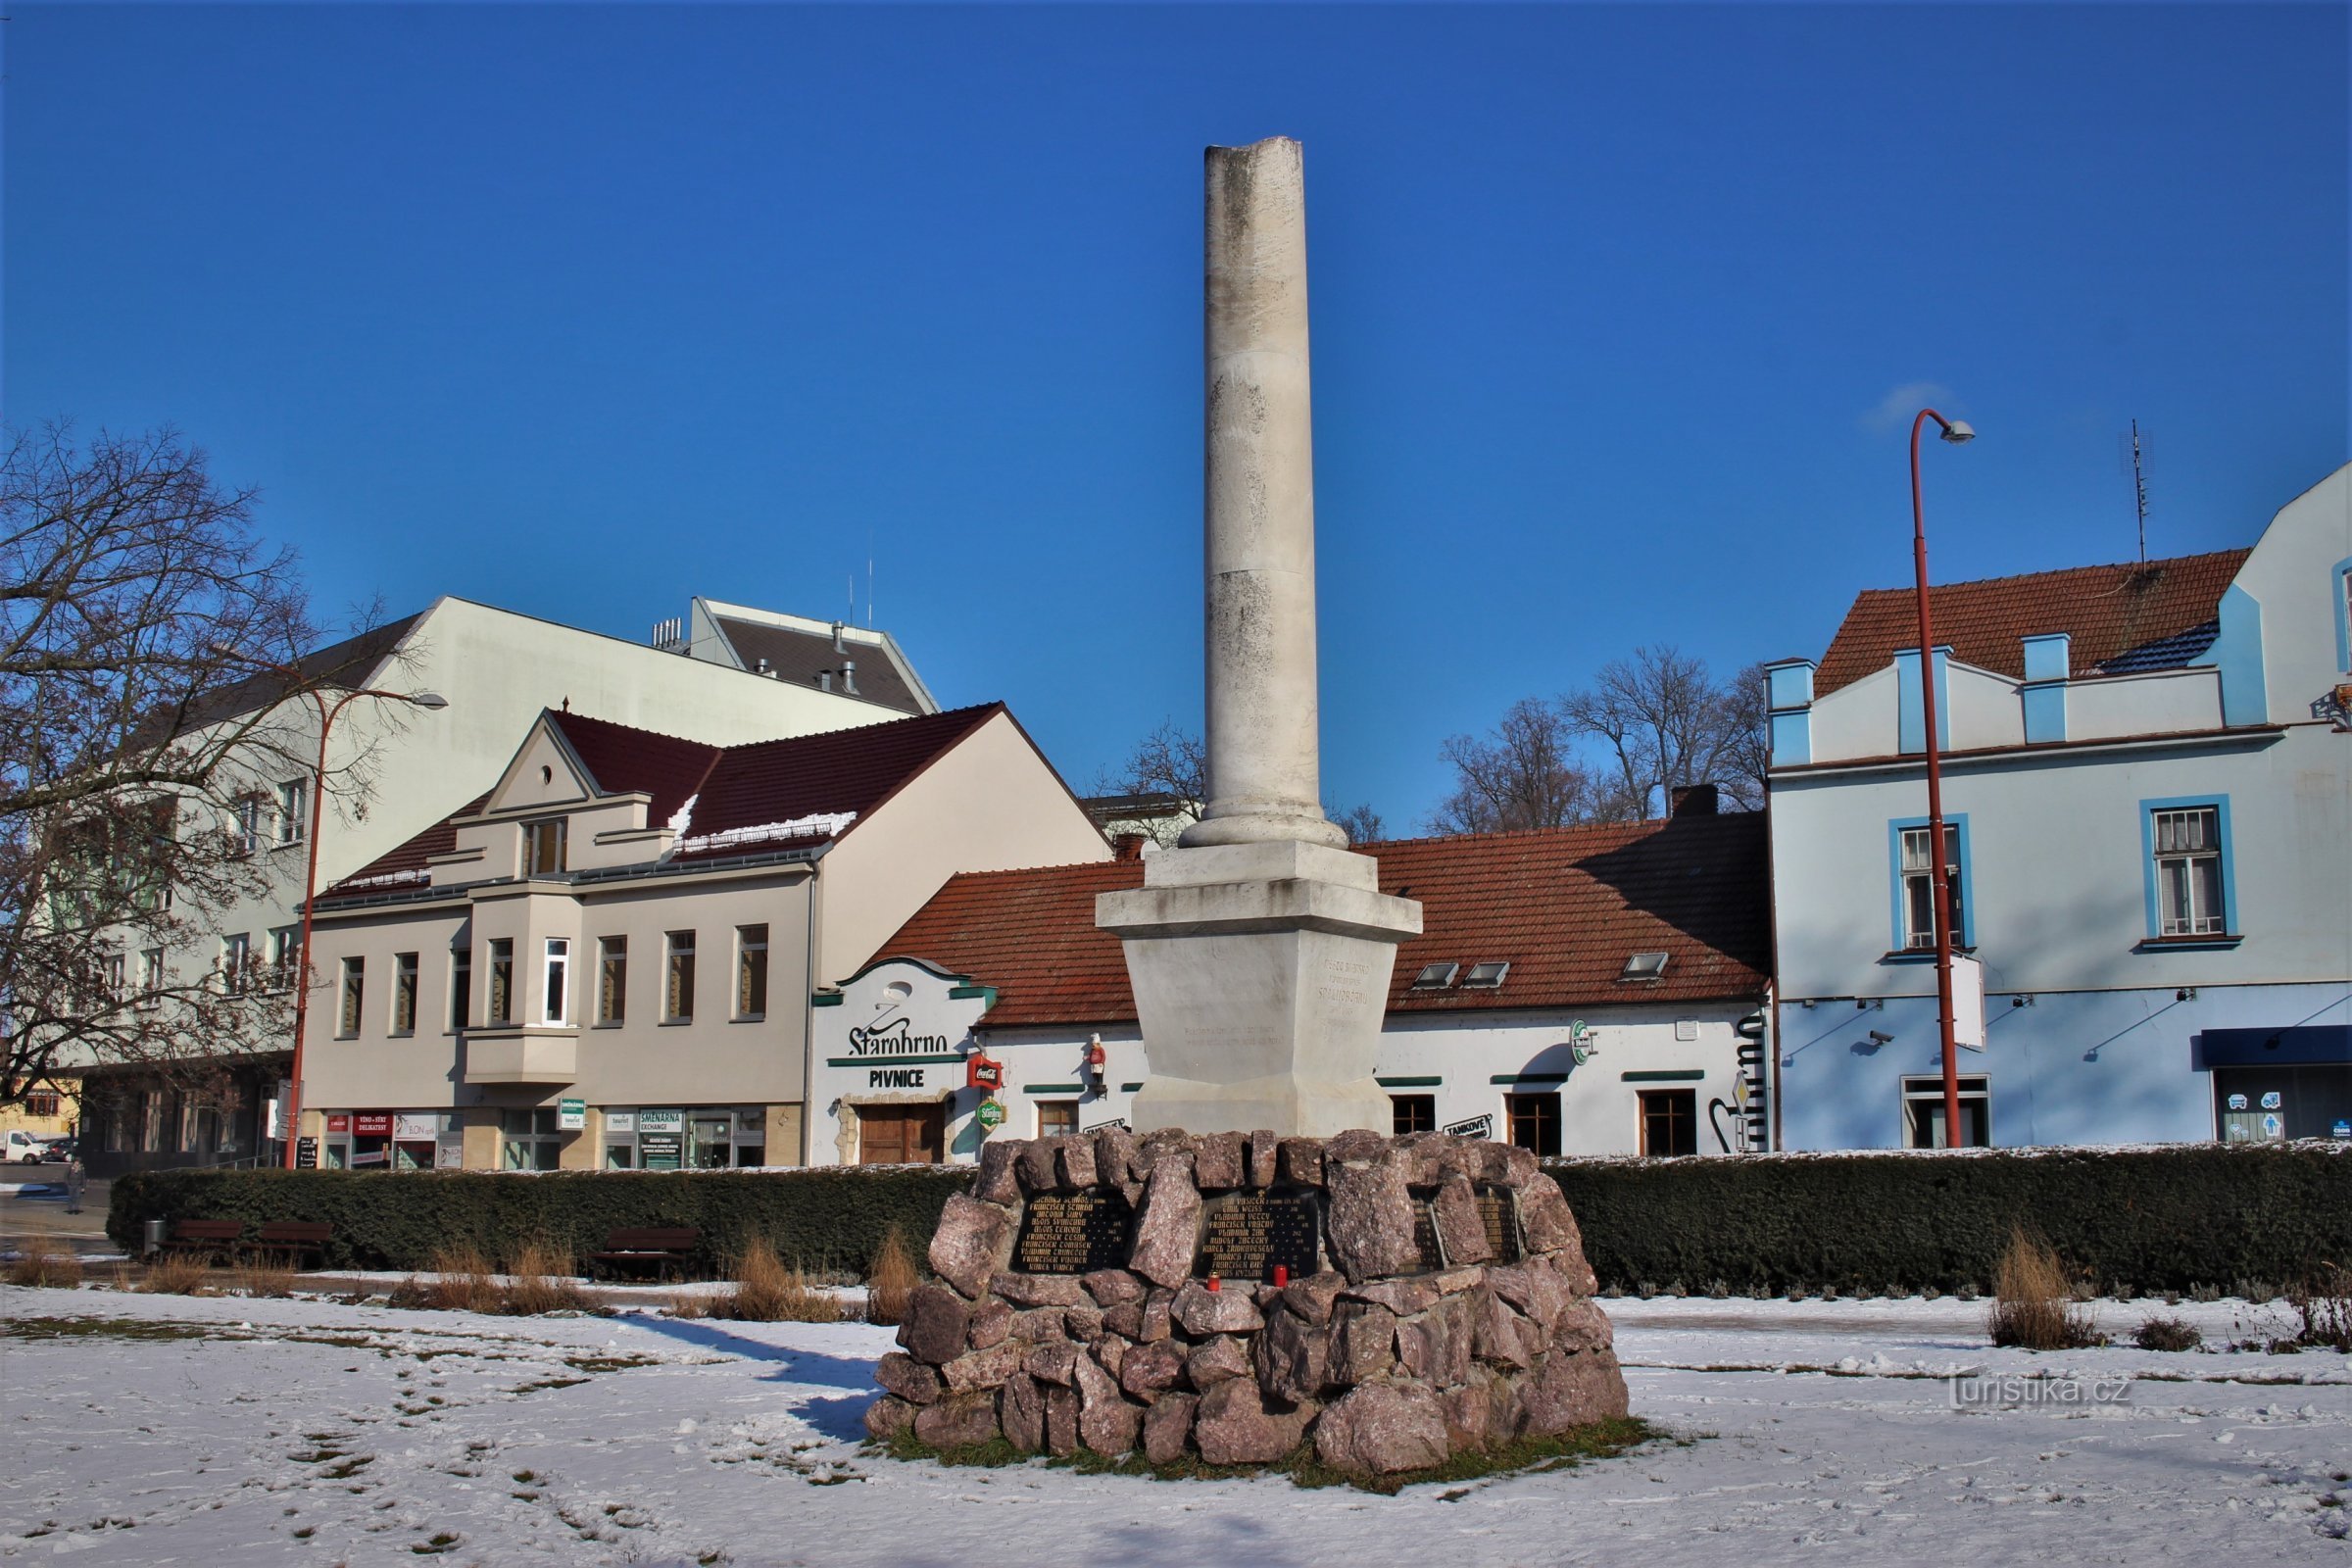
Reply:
x=1880, y=1037
x=2185, y=994
x=2021, y=1002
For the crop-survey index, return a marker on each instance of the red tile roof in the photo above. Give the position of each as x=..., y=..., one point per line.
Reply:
x=405, y=863
x=622, y=759
x=2108, y=610
x=1565, y=906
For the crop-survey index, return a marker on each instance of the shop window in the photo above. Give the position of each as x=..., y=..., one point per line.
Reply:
x=500, y=999
x=556, y=994
x=751, y=971
x=461, y=986
x=544, y=847
x=1923, y=1113
x=292, y=808
x=1413, y=1113
x=529, y=1140
x=1057, y=1117
x=677, y=1000
x=1534, y=1122
x=404, y=993
x=1668, y=1122
x=613, y=980
x=355, y=989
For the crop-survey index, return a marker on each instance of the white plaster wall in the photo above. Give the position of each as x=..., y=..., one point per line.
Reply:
x=2291, y=576
x=1857, y=720
x=1985, y=711
x=2161, y=702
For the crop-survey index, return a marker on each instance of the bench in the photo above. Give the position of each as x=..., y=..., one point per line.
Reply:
x=212, y=1238
x=294, y=1238
x=659, y=1245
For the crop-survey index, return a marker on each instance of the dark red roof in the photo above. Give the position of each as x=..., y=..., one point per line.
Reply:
x=1565, y=906
x=2109, y=611
x=622, y=759
x=405, y=863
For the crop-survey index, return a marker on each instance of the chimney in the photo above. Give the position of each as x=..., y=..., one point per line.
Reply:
x=837, y=647
x=824, y=680
x=849, y=675
x=759, y=666
x=1127, y=846
x=1691, y=800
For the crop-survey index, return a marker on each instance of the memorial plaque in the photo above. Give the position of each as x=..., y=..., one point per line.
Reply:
x=1248, y=1234
x=1074, y=1233
x=1425, y=1235
x=1502, y=1218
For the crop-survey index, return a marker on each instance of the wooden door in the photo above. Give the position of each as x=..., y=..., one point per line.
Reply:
x=901, y=1135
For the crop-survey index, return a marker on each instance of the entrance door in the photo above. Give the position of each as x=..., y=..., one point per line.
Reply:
x=901, y=1135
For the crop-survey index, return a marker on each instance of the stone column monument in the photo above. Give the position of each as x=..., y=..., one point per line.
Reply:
x=1260, y=950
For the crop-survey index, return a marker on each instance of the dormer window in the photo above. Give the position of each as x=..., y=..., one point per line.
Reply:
x=1436, y=976
x=543, y=847
x=1644, y=968
x=1486, y=976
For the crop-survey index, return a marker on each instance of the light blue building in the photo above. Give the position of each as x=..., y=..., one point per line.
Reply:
x=2148, y=798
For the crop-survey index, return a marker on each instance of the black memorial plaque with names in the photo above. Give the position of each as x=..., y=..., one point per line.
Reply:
x=1425, y=1233
x=1248, y=1234
x=1502, y=1218
x=1074, y=1233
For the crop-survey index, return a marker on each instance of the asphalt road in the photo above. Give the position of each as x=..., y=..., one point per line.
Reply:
x=35, y=1215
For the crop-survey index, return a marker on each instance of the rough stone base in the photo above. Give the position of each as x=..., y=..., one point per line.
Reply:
x=1380, y=1361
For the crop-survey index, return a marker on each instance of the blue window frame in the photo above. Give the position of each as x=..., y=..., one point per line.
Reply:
x=2340, y=583
x=1909, y=922
x=2189, y=869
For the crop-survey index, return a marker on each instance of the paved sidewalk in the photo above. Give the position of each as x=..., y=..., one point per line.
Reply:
x=35, y=1212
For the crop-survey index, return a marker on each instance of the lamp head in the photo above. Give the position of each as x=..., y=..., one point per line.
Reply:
x=1958, y=430
x=429, y=699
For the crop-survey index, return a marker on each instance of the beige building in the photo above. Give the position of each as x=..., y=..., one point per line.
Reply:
x=605, y=961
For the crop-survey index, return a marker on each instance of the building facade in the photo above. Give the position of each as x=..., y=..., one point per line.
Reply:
x=1592, y=990
x=2147, y=786
x=604, y=961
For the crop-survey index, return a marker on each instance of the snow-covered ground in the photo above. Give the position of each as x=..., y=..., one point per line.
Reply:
x=156, y=1430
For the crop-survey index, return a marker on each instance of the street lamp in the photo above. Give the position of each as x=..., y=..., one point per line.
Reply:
x=1954, y=431
x=310, y=879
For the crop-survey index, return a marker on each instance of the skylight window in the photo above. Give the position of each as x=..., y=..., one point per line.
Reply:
x=1436, y=976
x=1645, y=966
x=1486, y=976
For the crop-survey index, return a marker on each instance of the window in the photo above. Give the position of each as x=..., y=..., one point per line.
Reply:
x=285, y=956
x=1923, y=1113
x=355, y=984
x=1057, y=1117
x=250, y=813
x=1534, y=1122
x=677, y=1001
x=2187, y=846
x=41, y=1102
x=1436, y=976
x=293, y=801
x=117, y=987
x=502, y=980
x=556, y=996
x=529, y=1140
x=461, y=986
x=543, y=848
x=1413, y=1113
x=1644, y=968
x=613, y=980
x=1668, y=1122
x=150, y=976
x=1919, y=887
x=1486, y=976
x=236, y=961
x=751, y=971
x=404, y=993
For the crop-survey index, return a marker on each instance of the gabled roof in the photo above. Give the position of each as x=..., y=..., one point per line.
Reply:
x=2117, y=616
x=795, y=651
x=1565, y=906
x=336, y=666
x=730, y=801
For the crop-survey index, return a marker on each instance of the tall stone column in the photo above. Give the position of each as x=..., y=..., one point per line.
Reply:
x=1260, y=950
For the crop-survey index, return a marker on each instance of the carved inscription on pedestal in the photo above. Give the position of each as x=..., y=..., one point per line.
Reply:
x=1248, y=1234
x=1501, y=1216
x=1074, y=1233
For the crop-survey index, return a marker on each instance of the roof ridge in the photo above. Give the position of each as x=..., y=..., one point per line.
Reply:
x=2240, y=551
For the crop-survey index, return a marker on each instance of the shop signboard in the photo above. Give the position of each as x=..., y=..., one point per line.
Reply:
x=372, y=1124
x=306, y=1154
x=448, y=1153
x=339, y=1122
x=620, y=1121
x=416, y=1127
x=990, y=1115
x=659, y=1151
x=572, y=1115
x=1474, y=1127
x=661, y=1122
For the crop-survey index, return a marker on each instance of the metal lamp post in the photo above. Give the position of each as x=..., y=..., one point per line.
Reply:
x=1954, y=431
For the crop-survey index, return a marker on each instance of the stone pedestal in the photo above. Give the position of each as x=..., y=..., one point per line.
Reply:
x=1262, y=975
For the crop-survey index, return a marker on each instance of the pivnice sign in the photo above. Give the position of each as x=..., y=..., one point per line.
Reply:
x=895, y=1039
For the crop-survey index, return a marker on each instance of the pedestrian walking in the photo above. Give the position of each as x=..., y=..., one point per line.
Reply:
x=75, y=1179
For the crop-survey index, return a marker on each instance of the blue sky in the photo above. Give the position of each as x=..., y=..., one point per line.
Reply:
x=584, y=311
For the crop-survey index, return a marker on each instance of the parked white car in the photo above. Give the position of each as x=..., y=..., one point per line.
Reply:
x=24, y=1147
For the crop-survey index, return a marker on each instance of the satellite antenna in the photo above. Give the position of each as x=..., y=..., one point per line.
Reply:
x=2139, y=491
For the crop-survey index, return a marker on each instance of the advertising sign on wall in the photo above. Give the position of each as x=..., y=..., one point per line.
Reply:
x=372, y=1124
x=620, y=1121
x=659, y=1150
x=572, y=1115
x=411, y=1125
x=660, y=1121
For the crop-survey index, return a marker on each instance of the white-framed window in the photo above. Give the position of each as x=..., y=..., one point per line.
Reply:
x=150, y=976
x=404, y=993
x=285, y=956
x=1923, y=1113
x=291, y=818
x=354, y=997
x=2187, y=848
x=500, y=999
x=677, y=998
x=613, y=980
x=236, y=961
x=1918, y=886
x=556, y=973
x=751, y=971
x=117, y=978
x=544, y=847
x=252, y=823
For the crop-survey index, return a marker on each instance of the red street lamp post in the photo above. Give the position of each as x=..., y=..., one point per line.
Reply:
x=310, y=880
x=1954, y=431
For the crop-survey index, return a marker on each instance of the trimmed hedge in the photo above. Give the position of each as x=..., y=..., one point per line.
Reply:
x=2154, y=1219
x=828, y=1218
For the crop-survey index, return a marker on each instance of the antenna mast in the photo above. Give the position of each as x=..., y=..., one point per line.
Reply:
x=2139, y=492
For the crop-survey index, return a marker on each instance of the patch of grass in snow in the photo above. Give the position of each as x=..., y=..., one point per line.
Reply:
x=1602, y=1440
x=439, y=1545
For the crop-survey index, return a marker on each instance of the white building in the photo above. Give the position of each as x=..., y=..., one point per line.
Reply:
x=2148, y=792
x=604, y=961
x=1576, y=990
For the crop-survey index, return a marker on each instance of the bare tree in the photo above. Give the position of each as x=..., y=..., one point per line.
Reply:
x=1665, y=722
x=1361, y=823
x=136, y=604
x=1523, y=774
x=1159, y=790
x=1748, y=757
